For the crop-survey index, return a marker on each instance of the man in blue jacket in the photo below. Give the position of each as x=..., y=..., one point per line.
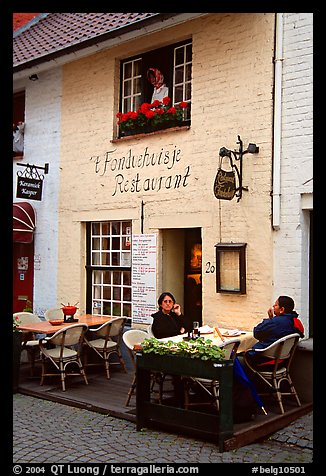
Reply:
x=282, y=321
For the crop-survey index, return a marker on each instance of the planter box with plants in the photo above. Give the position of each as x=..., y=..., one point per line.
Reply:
x=198, y=358
x=151, y=117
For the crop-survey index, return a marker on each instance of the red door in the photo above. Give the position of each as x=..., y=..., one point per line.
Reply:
x=23, y=274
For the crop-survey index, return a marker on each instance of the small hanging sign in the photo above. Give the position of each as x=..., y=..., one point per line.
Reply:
x=224, y=184
x=29, y=188
x=30, y=182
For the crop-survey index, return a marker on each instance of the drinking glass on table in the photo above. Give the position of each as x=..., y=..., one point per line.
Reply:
x=195, y=327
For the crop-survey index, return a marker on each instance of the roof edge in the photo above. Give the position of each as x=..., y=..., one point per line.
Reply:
x=138, y=25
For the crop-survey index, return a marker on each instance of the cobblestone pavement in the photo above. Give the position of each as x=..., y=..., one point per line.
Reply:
x=42, y=430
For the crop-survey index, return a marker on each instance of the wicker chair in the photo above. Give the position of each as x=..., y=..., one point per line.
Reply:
x=131, y=338
x=281, y=353
x=29, y=342
x=62, y=349
x=211, y=387
x=106, y=340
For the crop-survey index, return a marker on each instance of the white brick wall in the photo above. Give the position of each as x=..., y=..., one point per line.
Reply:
x=42, y=145
x=232, y=94
x=291, y=241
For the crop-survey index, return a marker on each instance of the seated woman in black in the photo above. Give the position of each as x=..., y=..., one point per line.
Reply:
x=168, y=321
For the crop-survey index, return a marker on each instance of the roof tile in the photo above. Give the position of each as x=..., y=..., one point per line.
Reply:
x=57, y=31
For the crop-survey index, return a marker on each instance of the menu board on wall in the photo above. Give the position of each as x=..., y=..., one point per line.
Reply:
x=143, y=278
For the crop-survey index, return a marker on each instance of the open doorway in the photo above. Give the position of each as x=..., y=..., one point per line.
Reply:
x=182, y=270
x=193, y=276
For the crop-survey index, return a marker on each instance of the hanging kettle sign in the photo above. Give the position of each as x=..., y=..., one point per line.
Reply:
x=225, y=181
x=224, y=184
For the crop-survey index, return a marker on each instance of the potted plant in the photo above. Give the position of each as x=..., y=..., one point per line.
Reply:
x=199, y=348
x=193, y=358
x=28, y=306
x=151, y=117
x=17, y=342
x=199, y=356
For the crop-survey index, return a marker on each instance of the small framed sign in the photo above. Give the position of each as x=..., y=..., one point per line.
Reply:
x=29, y=188
x=231, y=268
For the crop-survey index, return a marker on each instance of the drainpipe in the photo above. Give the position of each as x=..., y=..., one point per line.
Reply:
x=276, y=204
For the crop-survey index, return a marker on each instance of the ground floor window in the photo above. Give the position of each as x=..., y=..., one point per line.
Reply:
x=109, y=268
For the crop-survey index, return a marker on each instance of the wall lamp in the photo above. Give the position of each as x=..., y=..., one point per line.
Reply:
x=33, y=77
x=237, y=155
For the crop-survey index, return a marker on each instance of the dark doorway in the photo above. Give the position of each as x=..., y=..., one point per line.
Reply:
x=193, y=277
x=23, y=275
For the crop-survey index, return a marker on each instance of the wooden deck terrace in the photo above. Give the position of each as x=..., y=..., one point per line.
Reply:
x=109, y=397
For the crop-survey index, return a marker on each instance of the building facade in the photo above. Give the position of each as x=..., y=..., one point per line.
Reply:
x=293, y=214
x=110, y=192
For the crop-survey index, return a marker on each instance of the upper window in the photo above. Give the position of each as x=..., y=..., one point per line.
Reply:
x=147, y=81
x=18, y=124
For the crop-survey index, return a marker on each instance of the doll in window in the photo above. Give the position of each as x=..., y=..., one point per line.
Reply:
x=18, y=137
x=156, y=78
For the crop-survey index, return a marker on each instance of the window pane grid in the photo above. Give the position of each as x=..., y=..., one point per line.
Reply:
x=108, y=298
x=111, y=288
x=182, y=76
x=111, y=245
x=131, y=85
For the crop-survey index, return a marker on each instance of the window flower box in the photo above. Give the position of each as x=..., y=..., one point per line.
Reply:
x=151, y=117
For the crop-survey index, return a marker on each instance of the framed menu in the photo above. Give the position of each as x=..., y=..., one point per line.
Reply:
x=143, y=278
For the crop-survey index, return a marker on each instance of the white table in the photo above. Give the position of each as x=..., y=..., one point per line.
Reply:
x=247, y=339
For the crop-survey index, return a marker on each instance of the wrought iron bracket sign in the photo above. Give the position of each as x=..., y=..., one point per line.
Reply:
x=30, y=181
x=225, y=181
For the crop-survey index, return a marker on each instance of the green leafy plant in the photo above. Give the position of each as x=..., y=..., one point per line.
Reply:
x=200, y=348
x=28, y=306
x=154, y=116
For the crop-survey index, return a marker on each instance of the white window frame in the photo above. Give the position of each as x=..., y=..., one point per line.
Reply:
x=108, y=296
x=184, y=82
x=136, y=97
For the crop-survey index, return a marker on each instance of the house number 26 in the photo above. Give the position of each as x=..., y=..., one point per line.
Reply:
x=210, y=268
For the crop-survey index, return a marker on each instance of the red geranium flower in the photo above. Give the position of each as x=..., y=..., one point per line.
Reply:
x=149, y=114
x=154, y=116
x=156, y=103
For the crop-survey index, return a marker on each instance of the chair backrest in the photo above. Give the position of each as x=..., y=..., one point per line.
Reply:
x=133, y=337
x=230, y=347
x=53, y=313
x=283, y=348
x=70, y=335
x=111, y=328
x=150, y=331
x=27, y=317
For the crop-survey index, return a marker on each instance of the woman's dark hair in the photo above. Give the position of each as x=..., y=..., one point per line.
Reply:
x=160, y=299
x=286, y=302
